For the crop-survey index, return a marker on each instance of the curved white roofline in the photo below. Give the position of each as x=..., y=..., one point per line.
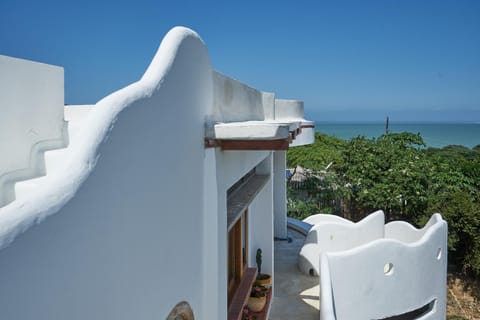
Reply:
x=58, y=189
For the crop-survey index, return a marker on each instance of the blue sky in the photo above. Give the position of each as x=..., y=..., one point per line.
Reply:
x=348, y=60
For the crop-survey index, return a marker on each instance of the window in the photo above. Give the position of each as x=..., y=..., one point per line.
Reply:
x=237, y=253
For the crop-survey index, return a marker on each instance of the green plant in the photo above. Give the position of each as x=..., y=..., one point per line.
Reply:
x=258, y=290
x=258, y=259
x=247, y=316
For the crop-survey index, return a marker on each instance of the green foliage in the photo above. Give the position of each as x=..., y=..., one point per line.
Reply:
x=397, y=174
x=317, y=156
x=320, y=192
x=258, y=259
x=462, y=212
x=300, y=209
x=389, y=173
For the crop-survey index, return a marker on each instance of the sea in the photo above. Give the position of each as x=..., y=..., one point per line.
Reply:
x=436, y=135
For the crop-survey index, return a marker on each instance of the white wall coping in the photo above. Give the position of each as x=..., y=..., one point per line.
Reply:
x=257, y=130
x=253, y=130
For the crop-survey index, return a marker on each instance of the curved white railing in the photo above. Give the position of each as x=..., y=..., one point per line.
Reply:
x=405, y=232
x=333, y=233
x=388, y=277
x=323, y=218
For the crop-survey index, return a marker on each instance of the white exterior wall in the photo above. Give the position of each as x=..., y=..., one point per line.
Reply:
x=231, y=167
x=130, y=243
x=261, y=220
x=214, y=243
x=31, y=121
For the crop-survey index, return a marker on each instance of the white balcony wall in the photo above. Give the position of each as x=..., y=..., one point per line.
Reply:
x=396, y=277
x=288, y=109
x=331, y=233
x=235, y=101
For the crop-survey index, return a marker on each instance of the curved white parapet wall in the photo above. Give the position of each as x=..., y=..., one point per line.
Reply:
x=387, y=277
x=307, y=136
x=31, y=121
x=289, y=109
x=293, y=110
x=405, y=232
x=244, y=113
x=331, y=233
x=106, y=253
x=235, y=101
x=323, y=218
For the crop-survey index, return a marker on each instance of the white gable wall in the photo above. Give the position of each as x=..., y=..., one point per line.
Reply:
x=129, y=243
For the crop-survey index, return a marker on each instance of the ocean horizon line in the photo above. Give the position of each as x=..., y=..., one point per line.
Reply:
x=394, y=122
x=434, y=134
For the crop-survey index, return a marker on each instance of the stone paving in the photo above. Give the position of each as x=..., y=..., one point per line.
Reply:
x=296, y=295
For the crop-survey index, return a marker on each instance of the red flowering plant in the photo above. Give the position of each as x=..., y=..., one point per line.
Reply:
x=247, y=316
x=258, y=290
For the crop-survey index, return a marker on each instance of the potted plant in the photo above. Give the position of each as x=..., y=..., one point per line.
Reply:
x=262, y=278
x=247, y=316
x=258, y=297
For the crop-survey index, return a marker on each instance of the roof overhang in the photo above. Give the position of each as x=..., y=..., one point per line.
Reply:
x=255, y=135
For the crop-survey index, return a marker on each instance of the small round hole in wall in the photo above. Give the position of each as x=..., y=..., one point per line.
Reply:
x=388, y=269
x=439, y=253
x=311, y=272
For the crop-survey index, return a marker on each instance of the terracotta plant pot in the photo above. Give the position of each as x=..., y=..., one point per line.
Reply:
x=264, y=279
x=256, y=304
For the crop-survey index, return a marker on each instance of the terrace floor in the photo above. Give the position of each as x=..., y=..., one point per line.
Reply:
x=296, y=295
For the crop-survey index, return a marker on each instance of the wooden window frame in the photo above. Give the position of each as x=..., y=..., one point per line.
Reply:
x=237, y=256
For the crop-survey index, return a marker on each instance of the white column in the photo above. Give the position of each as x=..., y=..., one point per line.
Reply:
x=279, y=194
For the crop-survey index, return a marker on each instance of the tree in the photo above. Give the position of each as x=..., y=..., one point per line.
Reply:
x=461, y=210
x=397, y=174
x=319, y=155
x=388, y=173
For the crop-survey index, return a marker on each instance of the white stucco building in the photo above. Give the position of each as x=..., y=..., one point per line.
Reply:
x=160, y=193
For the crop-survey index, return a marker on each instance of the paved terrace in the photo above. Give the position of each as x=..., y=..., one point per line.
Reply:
x=296, y=295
